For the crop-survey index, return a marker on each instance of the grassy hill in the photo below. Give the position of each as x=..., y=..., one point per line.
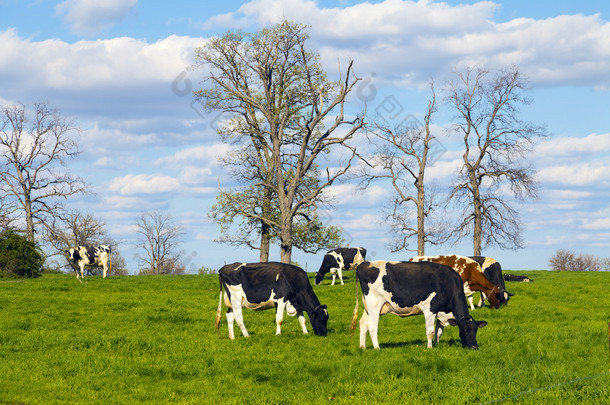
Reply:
x=151, y=339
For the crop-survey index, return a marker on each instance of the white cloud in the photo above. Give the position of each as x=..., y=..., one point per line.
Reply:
x=203, y=154
x=573, y=147
x=353, y=195
x=192, y=175
x=575, y=175
x=567, y=194
x=365, y=222
x=132, y=184
x=90, y=17
x=597, y=224
x=406, y=41
x=119, y=202
x=101, y=75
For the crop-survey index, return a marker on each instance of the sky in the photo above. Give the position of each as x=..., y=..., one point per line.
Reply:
x=122, y=71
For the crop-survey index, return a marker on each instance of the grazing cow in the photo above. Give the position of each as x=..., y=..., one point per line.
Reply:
x=407, y=288
x=90, y=256
x=512, y=277
x=493, y=271
x=265, y=285
x=337, y=260
x=472, y=277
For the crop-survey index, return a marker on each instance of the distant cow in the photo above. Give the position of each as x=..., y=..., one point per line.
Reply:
x=512, y=277
x=472, y=277
x=493, y=271
x=90, y=256
x=265, y=285
x=337, y=260
x=405, y=289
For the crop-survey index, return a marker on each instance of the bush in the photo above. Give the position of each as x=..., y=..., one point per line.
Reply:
x=567, y=260
x=205, y=270
x=18, y=256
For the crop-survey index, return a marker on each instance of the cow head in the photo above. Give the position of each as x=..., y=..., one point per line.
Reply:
x=505, y=296
x=468, y=331
x=319, y=318
x=73, y=255
x=319, y=278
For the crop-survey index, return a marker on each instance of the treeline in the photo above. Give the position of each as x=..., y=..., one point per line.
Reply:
x=568, y=260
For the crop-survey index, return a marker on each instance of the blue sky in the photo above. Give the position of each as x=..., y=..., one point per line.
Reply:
x=121, y=70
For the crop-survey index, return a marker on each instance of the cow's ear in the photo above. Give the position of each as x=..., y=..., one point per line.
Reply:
x=481, y=324
x=510, y=294
x=452, y=322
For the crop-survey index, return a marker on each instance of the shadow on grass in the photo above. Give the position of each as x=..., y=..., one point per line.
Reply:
x=420, y=342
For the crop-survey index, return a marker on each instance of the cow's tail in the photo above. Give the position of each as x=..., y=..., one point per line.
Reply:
x=352, y=327
x=219, y=310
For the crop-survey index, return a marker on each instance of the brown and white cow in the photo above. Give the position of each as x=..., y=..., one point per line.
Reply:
x=260, y=286
x=472, y=277
x=407, y=288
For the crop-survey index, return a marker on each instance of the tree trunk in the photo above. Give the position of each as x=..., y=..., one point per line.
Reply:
x=265, y=228
x=265, y=242
x=421, y=241
x=29, y=220
x=478, y=229
x=286, y=241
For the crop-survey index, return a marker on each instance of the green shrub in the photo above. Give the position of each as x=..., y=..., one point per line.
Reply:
x=18, y=256
x=205, y=270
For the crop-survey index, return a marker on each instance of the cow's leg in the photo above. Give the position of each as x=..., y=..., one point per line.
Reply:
x=364, y=326
x=430, y=318
x=373, y=325
x=483, y=298
x=333, y=271
x=470, y=300
x=301, y=319
x=280, y=305
x=237, y=310
x=230, y=319
x=439, y=330
x=82, y=271
x=105, y=269
x=340, y=271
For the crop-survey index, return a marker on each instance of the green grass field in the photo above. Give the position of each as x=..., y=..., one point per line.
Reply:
x=151, y=339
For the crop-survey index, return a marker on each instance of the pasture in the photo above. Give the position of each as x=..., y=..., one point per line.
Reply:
x=151, y=339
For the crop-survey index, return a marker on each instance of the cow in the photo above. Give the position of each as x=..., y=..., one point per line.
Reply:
x=493, y=271
x=260, y=286
x=337, y=260
x=472, y=277
x=90, y=256
x=523, y=279
x=409, y=288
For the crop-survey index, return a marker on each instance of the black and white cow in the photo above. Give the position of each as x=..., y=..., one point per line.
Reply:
x=522, y=279
x=90, y=256
x=412, y=288
x=265, y=285
x=337, y=260
x=493, y=271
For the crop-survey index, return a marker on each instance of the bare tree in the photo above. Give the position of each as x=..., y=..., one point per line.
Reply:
x=402, y=158
x=34, y=150
x=281, y=102
x=567, y=260
x=159, y=237
x=496, y=144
